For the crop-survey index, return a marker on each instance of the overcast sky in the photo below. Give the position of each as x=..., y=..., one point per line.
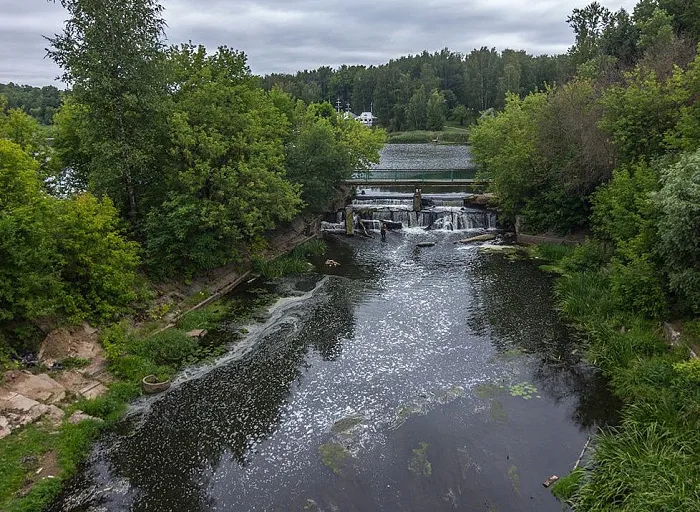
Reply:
x=291, y=35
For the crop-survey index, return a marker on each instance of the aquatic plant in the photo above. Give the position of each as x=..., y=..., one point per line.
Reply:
x=334, y=456
x=419, y=463
x=524, y=390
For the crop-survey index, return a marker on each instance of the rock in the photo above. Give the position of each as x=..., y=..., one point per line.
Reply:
x=480, y=238
x=77, y=342
x=550, y=480
x=55, y=415
x=80, y=416
x=196, y=333
x=17, y=410
x=41, y=388
x=425, y=244
x=80, y=383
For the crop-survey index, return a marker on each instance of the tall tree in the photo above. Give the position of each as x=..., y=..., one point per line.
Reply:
x=417, y=110
x=436, y=111
x=111, y=55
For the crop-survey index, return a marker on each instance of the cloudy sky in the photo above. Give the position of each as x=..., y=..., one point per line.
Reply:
x=289, y=35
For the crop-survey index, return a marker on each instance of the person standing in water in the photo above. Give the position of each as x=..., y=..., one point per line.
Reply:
x=383, y=231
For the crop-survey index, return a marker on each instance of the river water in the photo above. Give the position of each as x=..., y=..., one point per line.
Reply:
x=404, y=379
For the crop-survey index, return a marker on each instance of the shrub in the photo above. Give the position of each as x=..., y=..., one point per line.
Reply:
x=168, y=348
x=591, y=255
x=636, y=287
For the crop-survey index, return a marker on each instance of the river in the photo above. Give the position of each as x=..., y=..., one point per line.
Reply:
x=404, y=379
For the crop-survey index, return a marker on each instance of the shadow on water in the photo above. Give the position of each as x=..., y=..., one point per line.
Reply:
x=515, y=302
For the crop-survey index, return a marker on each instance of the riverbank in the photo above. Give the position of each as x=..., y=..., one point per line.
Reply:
x=648, y=462
x=39, y=457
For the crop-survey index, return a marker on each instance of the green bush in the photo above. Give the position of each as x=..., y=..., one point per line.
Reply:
x=168, y=348
x=636, y=287
x=590, y=256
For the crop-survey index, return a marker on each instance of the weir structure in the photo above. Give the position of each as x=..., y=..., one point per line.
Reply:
x=445, y=178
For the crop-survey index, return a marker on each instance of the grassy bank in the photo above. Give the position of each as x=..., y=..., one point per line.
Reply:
x=650, y=461
x=449, y=135
x=132, y=352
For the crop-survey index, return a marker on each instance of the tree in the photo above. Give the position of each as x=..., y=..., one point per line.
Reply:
x=436, y=111
x=679, y=225
x=417, y=110
x=29, y=287
x=111, y=54
x=327, y=150
x=588, y=24
x=460, y=113
x=62, y=258
x=228, y=185
x=506, y=148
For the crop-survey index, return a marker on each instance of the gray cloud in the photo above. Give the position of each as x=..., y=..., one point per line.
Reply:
x=290, y=35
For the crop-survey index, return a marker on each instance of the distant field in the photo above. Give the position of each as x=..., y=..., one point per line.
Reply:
x=450, y=135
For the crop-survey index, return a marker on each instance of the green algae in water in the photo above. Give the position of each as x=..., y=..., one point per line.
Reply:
x=334, y=456
x=346, y=424
x=514, y=479
x=450, y=394
x=498, y=412
x=419, y=464
x=485, y=391
x=524, y=390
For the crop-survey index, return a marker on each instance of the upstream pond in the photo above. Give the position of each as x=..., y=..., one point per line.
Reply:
x=404, y=379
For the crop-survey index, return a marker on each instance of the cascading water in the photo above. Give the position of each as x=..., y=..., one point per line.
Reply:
x=399, y=213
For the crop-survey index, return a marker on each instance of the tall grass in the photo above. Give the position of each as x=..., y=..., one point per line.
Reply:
x=652, y=461
x=294, y=263
x=642, y=467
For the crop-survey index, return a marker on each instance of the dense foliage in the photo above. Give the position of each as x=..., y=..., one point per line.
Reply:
x=41, y=103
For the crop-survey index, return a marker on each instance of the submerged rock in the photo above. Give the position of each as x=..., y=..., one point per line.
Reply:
x=419, y=463
x=334, y=456
x=481, y=238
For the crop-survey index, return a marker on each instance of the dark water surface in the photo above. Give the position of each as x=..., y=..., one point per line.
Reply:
x=405, y=379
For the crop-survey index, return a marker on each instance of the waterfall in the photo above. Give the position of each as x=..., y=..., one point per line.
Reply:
x=448, y=218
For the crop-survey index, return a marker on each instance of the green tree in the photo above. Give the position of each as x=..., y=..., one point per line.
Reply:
x=436, y=111
x=639, y=114
x=460, y=113
x=679, y=225
x=506, y=148
x=326, y=150
x=60, y=257
x=228, y=185
x=111, y=54
x=588, y=24
x=417, y=110
x=29, y=286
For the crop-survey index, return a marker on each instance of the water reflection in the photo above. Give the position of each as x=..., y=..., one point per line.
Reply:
x=516, y=304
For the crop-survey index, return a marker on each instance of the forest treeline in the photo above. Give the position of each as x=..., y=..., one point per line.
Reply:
x=615, y=153
x=39, y=102
x=417, y=92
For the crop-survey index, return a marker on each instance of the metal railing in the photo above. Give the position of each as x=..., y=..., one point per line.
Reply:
x=457, y=175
